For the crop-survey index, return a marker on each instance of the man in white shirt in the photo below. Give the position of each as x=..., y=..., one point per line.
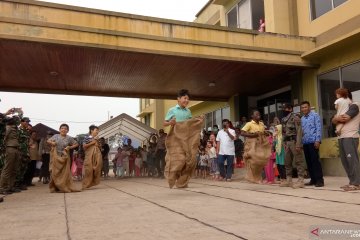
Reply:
x=226, y=149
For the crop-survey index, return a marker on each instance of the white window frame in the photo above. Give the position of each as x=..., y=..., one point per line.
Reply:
x=237, y=15
x=312, y=12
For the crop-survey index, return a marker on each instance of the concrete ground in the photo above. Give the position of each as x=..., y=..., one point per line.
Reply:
x=145, y=208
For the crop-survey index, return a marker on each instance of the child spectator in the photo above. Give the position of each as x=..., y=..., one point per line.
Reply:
x=280, y=152
x=211, y=151
x=269, y=168
x=341, y=105
x=204, y=158
x=144, y=156
x=138, y=162
x=120, y=156
x=79, y=166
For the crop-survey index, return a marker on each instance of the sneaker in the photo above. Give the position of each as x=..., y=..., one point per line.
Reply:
x=319, y=184
x=15, y=190
x=5, y=192
x=309, y=183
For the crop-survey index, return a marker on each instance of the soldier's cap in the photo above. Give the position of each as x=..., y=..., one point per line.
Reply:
x=25, y=119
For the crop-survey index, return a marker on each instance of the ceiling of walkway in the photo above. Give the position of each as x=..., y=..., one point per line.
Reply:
x=51, y=68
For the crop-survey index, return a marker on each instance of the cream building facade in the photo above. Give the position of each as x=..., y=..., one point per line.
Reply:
x=335, y=27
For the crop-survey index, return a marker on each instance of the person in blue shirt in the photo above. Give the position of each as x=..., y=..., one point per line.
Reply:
x=311, y=126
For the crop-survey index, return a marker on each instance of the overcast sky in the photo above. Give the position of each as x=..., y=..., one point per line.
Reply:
x=79, y=111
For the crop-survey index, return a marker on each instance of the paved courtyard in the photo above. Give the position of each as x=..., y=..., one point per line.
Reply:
x=145, y=208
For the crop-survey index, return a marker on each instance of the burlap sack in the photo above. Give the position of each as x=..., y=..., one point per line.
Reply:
x=182, y=144
x=257, y=152
x=61, y=178
x=92, y=167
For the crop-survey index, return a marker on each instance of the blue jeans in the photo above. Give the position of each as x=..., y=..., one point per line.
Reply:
x=230, y=163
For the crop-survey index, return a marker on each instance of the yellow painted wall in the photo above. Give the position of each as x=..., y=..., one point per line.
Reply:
x=231, y=104
x=279, y=16
x=332, y=61
x=206, y=107
x=339, y=58
x=329, y=148
x=208, y=13
x=153, y=110
x=310, y=88
x=338, y=15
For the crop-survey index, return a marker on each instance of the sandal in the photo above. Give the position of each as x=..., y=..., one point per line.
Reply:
x=352, y=188
x=345, y=186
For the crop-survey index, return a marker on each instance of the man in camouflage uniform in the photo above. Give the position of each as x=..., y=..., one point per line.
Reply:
x=24, y=137
x=292, y=133
x=8, y=174
x=2, y=143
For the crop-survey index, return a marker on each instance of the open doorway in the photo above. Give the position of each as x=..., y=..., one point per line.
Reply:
x=271, y=107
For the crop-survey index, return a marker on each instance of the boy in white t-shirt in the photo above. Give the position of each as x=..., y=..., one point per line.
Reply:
x=342, y=104
x=226, y=149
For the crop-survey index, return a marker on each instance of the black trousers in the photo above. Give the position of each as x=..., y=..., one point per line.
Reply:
x=30, y=171
x=45, y=165
x=282, y=171
x=313, y=163
x=160, y=161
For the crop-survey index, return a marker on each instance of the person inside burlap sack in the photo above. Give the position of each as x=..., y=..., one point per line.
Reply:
x=93, y=158
x=257, y=149
x=182, y=142
x=61, y=177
